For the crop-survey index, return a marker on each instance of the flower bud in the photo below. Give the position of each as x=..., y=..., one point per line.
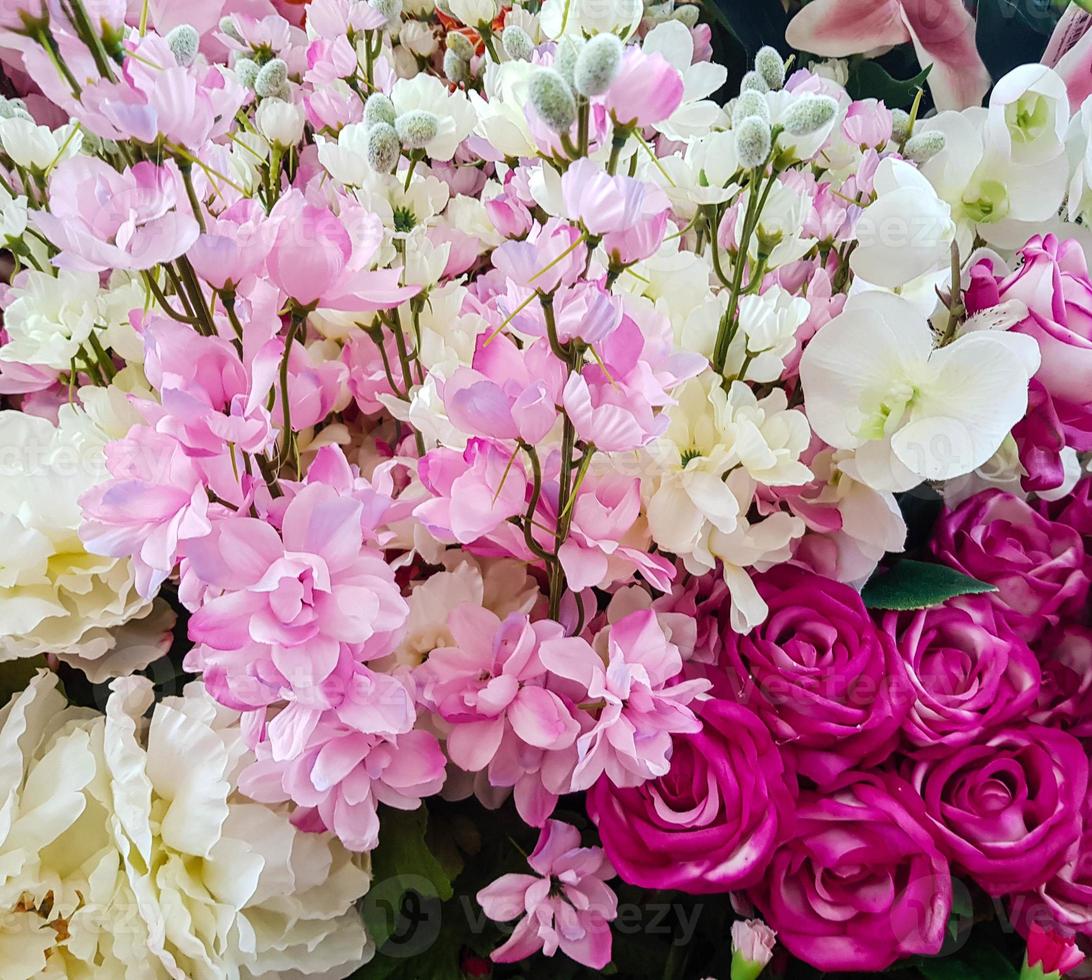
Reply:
x=753, y=141
x=922, y=146
x=752, y=948
x=280, y=122
x=568, y=50
x=227, y=26
x=598, y=64
x=750, y=103
x=517, y=43
x=808, y=114
x=246, y=72
x=383, y=147
x=770, y=66
x=379, y=109
x=417, y=128
x=272, y=78
x=14, y=109
x=687, y=15
x=459, y=43
x=753, y=81
x=183, y=41
x=900, y=125
x=456, y=69
x=552, y=99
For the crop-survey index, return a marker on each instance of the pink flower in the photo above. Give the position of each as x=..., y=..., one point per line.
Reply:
x=858, y=883
x=492, y=686
x=942, y=31
x=1065, y=694
x=603, y=203
x=969, y=672
x=1007, y=809
x=101, y=219
x=646, y=90
x=234, y=247
x=867, y=123
x=1051, y=951
x=568, y=906
x=713, y=821
x=642, y=706
x=752, y=946
x=1039, y=566
x=552, y=255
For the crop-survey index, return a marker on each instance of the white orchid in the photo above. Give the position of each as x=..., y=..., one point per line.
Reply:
x=697, y=114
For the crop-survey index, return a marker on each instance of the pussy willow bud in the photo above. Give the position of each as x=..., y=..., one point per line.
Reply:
x=17, y=109
x=383, y=147
x=227, y=26
x=900, y=125
x=183, y=41
x=460, y=44
x=923, y=146
x=272, y=78
x=753, y=81
x=687, y=15
x=246, y=72
x=753, y=141
x=417, y=128
x=553, y=100
x=517, y=43
x=390, y=9
x=568, y=50
x=379, y=109
x=598, y=64
x=771, y=66
x=456, y=69
x=750, y=103
x=808, y=114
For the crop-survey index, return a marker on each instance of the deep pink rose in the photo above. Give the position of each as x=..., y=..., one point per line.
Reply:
x=1074, y=509
x=1065, y=693
x=1053, y=282
x=711, y=823
x=969, y=671
x=1007, y=809
x=827, y=682
x=860, y=882
x=1039, y=566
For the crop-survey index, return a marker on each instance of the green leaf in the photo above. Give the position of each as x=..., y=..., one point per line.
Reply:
x=869, y=80
x=918, y=585
x=972, y=963
x=1013, y=32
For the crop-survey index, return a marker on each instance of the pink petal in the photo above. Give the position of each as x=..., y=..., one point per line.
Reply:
x=541, y=719
x=838, y=28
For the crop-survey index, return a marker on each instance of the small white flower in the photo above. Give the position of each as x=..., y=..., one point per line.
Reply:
x=455, y=114
x=38, y=147
x=280, y=122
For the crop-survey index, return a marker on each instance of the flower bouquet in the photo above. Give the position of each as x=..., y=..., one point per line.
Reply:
x=483, y=494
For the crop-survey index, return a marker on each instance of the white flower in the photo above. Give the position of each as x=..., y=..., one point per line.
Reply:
x=589, y=17
x=1028, y=115
x=697, y=114
x=13, y=214
x=704, y=174
x=1079, y=150
x=473, y=12
x=874, y=383
x=768, y=323
x=456, y=115
x=906, y=233
x=38, y=147
x=501, y=121
x=780, y=225
x=126, y=851
x=346, y=159
x=280, y=122
x=55, y=597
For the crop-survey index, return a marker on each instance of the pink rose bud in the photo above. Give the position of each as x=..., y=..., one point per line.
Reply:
x=1050, y=954
x=752, y=948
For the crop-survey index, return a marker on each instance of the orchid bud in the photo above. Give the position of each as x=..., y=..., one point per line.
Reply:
x=750, y=103
x=417, y=128
x=383, y=147
x=568, y=50
x=753, y=141
x=923, y=146
x=770, y=66
x=753, y=81
x=517, y=43
x=809, y=114
x=456, y=69
x=459, y=43
x=900, y=125
x=246, y=72
x=272, y=78
x=379, y=109
x=598, y=64
x=552, y=99
x=183, y=41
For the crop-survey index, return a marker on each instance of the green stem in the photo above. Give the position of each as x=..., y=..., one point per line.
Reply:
x=187, y=179
x=46, y=40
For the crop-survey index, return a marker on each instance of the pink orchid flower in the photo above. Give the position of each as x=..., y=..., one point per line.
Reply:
x=566, y=906
x=942, y=32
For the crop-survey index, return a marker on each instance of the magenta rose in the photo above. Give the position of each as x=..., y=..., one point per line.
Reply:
x=1053, y=282
x=860, y=882
x=1065, y=693
x=822, y=676
x=1007, y=809
x=711, y=823
x=1074, y=509
x=1039, y=566
x=969, y=671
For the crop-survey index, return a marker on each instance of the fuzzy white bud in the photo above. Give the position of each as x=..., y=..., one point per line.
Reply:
x=460, y=45
x=391, y=10
x=553, y=100
x=246, y=72
x=568, y=50
x=272, y=78
x=753, y=141
x=750, y=103
x=808, y=114
x=753, y=81
x=417, y=128
x=183, y=41
x=379, y=109
x=456, y=68
x=900, y=125
x=517, y=43
x=770, y=66
x=923, y=146
x=383, y=147
x=227, y=26
x=598, y=64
